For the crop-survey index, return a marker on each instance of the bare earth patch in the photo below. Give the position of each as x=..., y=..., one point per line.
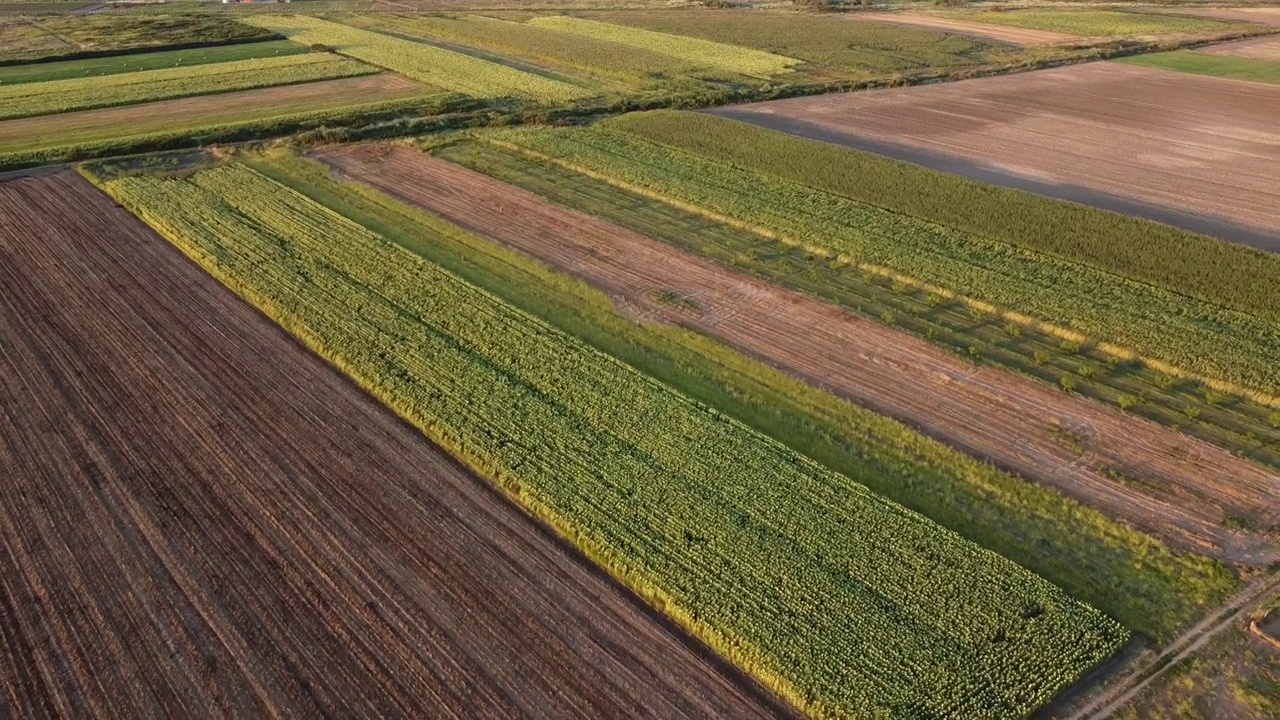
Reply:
x=200, y=518
x=1189, y=143
x=1263, y=15
x=984, y=31
x=1188, y=487
x=1266, y=48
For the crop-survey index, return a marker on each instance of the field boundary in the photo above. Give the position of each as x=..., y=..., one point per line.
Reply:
x=1063, y=333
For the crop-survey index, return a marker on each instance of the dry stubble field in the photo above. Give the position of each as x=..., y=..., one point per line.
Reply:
x=985, y=31
x=1185, y=142
x=1011, y=421
x=201, y=518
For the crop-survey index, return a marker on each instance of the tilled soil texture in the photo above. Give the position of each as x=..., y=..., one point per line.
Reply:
x=1266, y=48
x=1168, y=484
x=136, y=120
x=202, y=519
x=1177, y=141
x=984, y=31
x=1261, y=15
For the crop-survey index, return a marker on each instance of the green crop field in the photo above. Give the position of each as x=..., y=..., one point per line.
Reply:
x=1246, y=428
x=831, y=41
x=1125, y=573
x=441, y=68
x=24, y=39
x=1151, y=252
x=59, y=96
x=559, y=50
x=1225, y=66
x=732, y=58
x=846, y=603
x=1093, y=23
x=1217, y=343
x=116, y=64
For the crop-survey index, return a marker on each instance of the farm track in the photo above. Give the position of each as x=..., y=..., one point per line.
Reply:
x=1011, y=421
x=1114, y=698
x=983, y=31
x=200, y=519
x=1193, y=144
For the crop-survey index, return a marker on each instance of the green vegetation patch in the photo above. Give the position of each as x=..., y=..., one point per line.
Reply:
x=58, y=96
x=1093, y=23
x=1225, y=66
x=733, y=58
x=574, y=52
x=116, y=64
x=1185, y=332
x=1125, y=573
x=828, y=40
x=442, y=68
x=1180, y=261
x=25, y=39
x=846, y=603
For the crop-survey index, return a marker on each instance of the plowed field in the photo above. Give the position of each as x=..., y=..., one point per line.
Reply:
x=199, y=519
x=1161, y=481
x=1190, y=143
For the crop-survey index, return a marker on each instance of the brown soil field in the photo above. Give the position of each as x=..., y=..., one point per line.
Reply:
x=1182, y=142
x=132, y=120
x=1267, y=48
x=1187, y=487
x=202, y=519
x=983, y=31
x=1262, y=15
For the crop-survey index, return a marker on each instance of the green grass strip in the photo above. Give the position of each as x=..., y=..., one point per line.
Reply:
x=59, y=96
x=116, y=64
x=846, y=603
x=1224, y=66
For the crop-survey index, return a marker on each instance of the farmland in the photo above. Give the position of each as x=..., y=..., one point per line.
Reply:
x=990, y=507
x=244, y=532
x=93, y=67
x=693, y=518
x=438, y=67
x=1211, y=341
x=24, y=39
x=59, y=96
x=562, y=358
x=94, y=133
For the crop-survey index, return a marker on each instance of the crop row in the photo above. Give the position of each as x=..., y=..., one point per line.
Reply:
x=695, y=50
x=57, y=96
x=848, y=604
x=1177, y=260
x=435, y=66
x=1200, y=337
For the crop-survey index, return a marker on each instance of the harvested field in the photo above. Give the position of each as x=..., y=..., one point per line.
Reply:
x=1266, y=48
x=985, y=31
x=137, y=120
x=1262, y=15
x=1170, y=485
x=201, y=518
x=1200, y=152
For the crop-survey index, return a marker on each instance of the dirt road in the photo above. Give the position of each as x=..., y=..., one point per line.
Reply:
x=1187, y=144
x=201, y=519
x=1017, y=423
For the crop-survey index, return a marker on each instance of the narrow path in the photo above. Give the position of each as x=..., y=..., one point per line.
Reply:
x=1124, y=691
